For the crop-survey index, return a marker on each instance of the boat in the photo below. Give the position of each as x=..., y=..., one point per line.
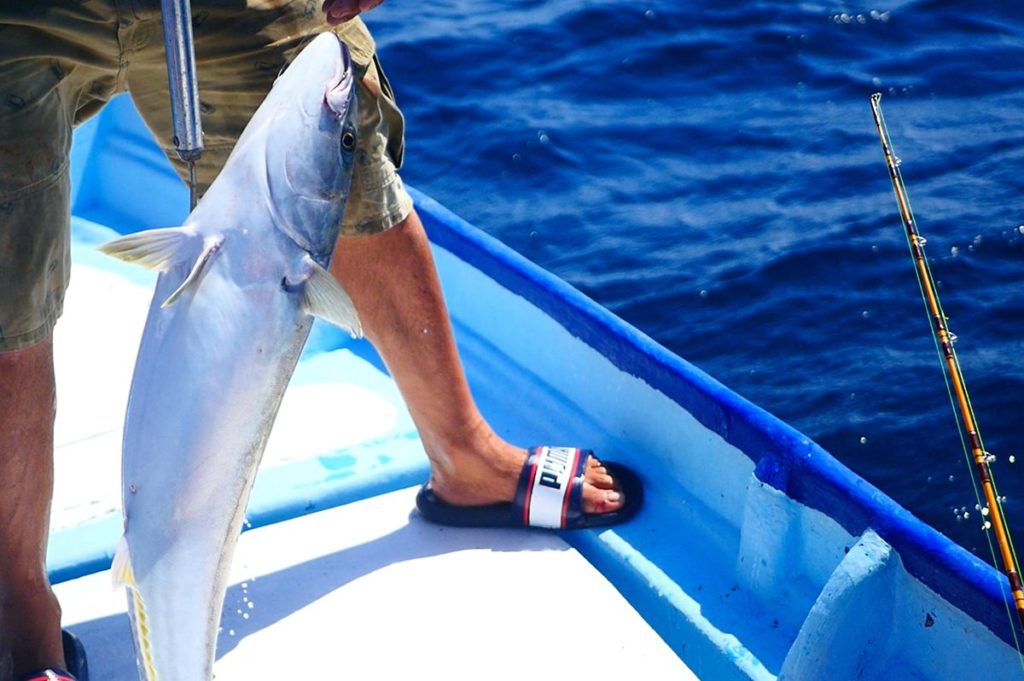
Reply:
x=756, y=554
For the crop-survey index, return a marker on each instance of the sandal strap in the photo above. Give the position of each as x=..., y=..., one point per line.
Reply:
x=550, y=490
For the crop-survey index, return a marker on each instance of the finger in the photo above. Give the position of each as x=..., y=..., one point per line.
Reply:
x=340, y=16
x=340, y=11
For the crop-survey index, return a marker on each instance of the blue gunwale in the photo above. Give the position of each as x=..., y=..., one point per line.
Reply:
x=792, y=463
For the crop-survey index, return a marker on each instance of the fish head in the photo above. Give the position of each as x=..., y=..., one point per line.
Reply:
x=310, y=144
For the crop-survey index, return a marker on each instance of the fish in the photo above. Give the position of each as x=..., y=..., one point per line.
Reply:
x=239, y=285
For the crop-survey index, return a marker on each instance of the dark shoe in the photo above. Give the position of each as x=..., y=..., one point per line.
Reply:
x=549, y=494
x=74, y=656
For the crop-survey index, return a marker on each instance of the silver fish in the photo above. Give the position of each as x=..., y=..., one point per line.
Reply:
x=239, y=285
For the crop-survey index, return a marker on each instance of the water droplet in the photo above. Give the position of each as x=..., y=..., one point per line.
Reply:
x=650, y=14
x=863, y=440
x=984, y=511
x=703, y=293
x=986, y=526
x=1020, y=229
x=865, y=314
x=952, y=478
x=543, y=138
x=1012, y=458
x=245, y=615
x=954, y=251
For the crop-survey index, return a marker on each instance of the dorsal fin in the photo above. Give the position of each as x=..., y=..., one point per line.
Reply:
x=121, y=569
x=157, y=249
x=325, y=298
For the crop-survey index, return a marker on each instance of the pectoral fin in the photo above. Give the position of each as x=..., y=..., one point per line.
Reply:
x=326, y=299
x=210, y=249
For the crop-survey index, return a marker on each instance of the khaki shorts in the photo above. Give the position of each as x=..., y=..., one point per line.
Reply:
x=60, y=62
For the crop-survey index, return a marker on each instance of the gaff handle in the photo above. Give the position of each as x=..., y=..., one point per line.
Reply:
x=181, y=78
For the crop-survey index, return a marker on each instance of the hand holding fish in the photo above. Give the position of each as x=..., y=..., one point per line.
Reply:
x=340, y=11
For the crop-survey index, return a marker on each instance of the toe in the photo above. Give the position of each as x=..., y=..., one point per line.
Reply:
x=600, y=493
x=601, y=501
x=598, y=476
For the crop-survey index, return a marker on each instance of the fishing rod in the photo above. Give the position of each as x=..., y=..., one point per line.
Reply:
x=982, y=459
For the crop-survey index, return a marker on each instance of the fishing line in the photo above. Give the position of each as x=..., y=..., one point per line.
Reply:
x=970, y=437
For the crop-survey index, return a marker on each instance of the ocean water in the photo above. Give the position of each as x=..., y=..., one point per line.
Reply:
x=710, y=172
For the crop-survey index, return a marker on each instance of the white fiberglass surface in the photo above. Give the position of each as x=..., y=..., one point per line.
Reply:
x=368, y=591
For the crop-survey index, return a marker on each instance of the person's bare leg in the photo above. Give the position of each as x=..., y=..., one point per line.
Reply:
x=393, y=282
x=29, y=612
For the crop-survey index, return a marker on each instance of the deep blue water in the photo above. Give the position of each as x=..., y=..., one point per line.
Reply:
x=710, y=172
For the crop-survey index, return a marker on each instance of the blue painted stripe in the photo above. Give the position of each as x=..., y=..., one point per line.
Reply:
x=792, y=463
x=281, y=493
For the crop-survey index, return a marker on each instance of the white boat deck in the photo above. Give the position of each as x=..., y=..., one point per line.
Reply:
x=363, y=591
x=371, y=591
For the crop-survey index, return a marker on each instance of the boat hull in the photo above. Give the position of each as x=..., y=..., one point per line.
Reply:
x=756, y=555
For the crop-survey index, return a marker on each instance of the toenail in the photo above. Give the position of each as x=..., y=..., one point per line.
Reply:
x=613, y=497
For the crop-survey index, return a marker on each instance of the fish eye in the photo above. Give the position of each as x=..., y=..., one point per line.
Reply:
x=348, y=140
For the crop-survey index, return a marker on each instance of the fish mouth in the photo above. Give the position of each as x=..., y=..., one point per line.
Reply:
x=338, y=91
